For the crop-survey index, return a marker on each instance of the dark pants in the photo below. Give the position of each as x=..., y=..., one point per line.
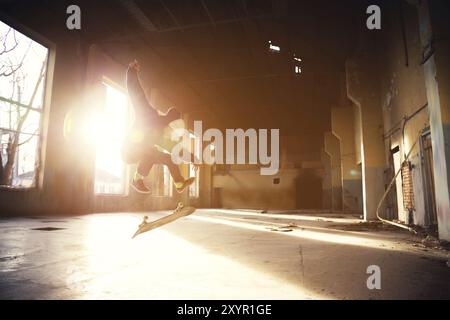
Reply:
x=157, y=157
x=147, y=157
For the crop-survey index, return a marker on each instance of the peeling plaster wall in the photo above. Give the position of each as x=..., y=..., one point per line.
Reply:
x=434, y=36
x=403, y=94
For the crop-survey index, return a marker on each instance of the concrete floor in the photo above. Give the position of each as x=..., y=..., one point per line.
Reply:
x=213, y=254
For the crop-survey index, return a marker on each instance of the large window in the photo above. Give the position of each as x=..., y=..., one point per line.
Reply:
x=23, y=68
x=111, y=174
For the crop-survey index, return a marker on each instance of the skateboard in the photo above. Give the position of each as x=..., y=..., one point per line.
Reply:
x=179, y=212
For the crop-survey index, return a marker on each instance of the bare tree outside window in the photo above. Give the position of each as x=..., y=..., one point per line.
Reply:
x=23, y=65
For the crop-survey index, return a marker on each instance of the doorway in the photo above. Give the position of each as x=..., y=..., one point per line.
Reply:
x=428, y=178
x=397, y=161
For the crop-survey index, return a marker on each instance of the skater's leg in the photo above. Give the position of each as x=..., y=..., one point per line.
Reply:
x=175, y=172
x=154, y=156
x=166, y=159
x=138, y=183
x=147, y=160
x=144, y=165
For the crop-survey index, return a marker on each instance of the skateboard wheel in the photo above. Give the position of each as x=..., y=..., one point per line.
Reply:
x=180, y=205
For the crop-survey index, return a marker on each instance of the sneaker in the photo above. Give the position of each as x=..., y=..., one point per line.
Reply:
x=139, y=186
x=180, y=186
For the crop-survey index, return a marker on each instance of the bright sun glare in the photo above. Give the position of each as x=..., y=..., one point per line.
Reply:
x=109, y=129
x=105, y=129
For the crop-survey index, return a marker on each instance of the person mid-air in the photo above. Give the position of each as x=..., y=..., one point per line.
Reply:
x=141, y=143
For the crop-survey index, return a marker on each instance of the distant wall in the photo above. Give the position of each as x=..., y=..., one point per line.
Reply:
x=248, y=189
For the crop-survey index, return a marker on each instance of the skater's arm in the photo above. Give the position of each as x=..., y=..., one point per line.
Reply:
x=135, y=90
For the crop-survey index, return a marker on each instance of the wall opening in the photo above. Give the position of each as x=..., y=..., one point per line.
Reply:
x=194, y=189
x=396, y=156
x=428, y=179
x=111, y=173
x=391, y=202
x=167, y=182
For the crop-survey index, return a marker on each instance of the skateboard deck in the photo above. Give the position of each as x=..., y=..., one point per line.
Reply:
x=179, y=212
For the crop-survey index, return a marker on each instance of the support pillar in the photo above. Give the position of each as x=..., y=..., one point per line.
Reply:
x=333, y=148
x=363, y=91
x=434, y=36
x=342, y=119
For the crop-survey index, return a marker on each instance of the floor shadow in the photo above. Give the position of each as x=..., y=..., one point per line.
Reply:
x=335, y=270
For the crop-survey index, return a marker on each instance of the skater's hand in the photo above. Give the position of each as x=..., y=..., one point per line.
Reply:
x=135, y=65
x=195, y=166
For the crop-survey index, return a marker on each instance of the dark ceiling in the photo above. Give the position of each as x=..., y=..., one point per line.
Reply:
x=211, y=57
x=219, y=49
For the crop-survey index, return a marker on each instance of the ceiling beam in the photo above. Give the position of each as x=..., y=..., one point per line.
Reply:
x=216, y=23
x=208, y=13
x=245, y=77
x=139, y=16
x=172, y=16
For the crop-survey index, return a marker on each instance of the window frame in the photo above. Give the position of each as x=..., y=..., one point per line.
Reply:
x=197, y=152
x=196, y=182
x=166, y=172
x=42, y=143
